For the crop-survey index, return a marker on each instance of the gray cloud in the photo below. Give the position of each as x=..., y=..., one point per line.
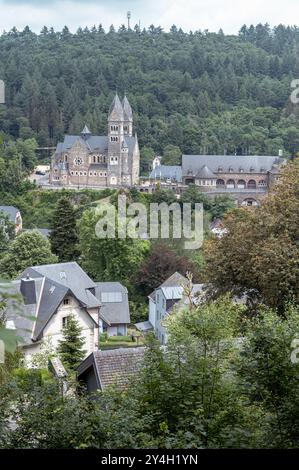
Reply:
x=189, y=14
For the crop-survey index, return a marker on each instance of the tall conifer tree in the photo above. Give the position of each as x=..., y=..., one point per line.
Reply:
x=64, y=238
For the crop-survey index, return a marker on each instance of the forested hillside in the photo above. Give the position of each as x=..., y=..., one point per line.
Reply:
x=201, y=91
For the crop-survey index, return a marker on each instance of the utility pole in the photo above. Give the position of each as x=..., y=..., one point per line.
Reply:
x=129, y=17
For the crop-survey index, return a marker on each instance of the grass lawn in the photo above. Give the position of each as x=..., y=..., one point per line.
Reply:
x=112, y=342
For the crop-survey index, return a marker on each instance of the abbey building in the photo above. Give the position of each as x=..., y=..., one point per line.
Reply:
x=93, y=160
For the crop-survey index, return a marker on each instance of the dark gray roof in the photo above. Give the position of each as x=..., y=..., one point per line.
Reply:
x=52, y=284
x=93, y=143
x=173, y=172
x=72, y=277
x=116, y=112
x=144, y=326
x=11, y=211
x=18, y=314
x=128, y=114
x=47, y=286
x=116, y=367
x=191, y=164
x=206, y=173
x=175, y=280
x=113, y=297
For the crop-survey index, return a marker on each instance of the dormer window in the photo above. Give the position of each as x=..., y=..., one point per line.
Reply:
x=230, y=169
x=251, y=169
x=241, y=170
x=262, y=170
x=220, y=168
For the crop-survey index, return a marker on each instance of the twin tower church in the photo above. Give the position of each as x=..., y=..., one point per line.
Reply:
x=96, y=160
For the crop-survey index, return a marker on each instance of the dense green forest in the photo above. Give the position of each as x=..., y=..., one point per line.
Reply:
x=199, y=91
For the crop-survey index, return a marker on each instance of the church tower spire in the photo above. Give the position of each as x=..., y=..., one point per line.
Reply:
x=115, y=139
x=128, y=117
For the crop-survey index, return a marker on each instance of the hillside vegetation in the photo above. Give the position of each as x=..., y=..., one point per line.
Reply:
x=199, y=92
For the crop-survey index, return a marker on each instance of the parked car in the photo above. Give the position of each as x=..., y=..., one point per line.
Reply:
x=40, y=173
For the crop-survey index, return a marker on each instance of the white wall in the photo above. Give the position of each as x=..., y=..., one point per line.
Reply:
x=152, y=312
x=160, y=315
x=53, y=329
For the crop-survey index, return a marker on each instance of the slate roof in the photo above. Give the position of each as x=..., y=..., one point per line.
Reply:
x=206, y=173
x=144, y=326
x=191, y=164
x=70, y=276
x=173, y=172
x=48, y=286
x=116, y=111
x=19, y=315
x=114, y=303
x=128, y=114
x=175, y=280
x=11, y=211
x=117, y=367
x=93, y=143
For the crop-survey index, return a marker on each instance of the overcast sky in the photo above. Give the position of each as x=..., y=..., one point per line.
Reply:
x=189, y=14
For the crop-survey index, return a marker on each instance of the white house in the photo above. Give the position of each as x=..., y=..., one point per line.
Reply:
x=51, y=293
x=163, y=300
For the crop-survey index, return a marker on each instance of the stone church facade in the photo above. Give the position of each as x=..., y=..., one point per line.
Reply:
x=104, y=161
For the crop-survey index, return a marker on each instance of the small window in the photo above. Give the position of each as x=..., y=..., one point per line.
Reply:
x=66, y=301
x=64, y=322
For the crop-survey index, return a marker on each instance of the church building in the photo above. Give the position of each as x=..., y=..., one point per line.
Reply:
x=93, y=160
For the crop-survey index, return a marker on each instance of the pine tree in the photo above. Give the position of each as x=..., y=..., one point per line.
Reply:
x=70, y=348
x=64, y=238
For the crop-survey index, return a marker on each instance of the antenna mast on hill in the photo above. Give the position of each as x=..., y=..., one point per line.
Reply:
x=129, y=17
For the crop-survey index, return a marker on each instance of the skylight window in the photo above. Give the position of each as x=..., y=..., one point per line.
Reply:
x=62, y=275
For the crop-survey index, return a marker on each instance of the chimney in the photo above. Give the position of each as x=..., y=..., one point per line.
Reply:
x=27, y=289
